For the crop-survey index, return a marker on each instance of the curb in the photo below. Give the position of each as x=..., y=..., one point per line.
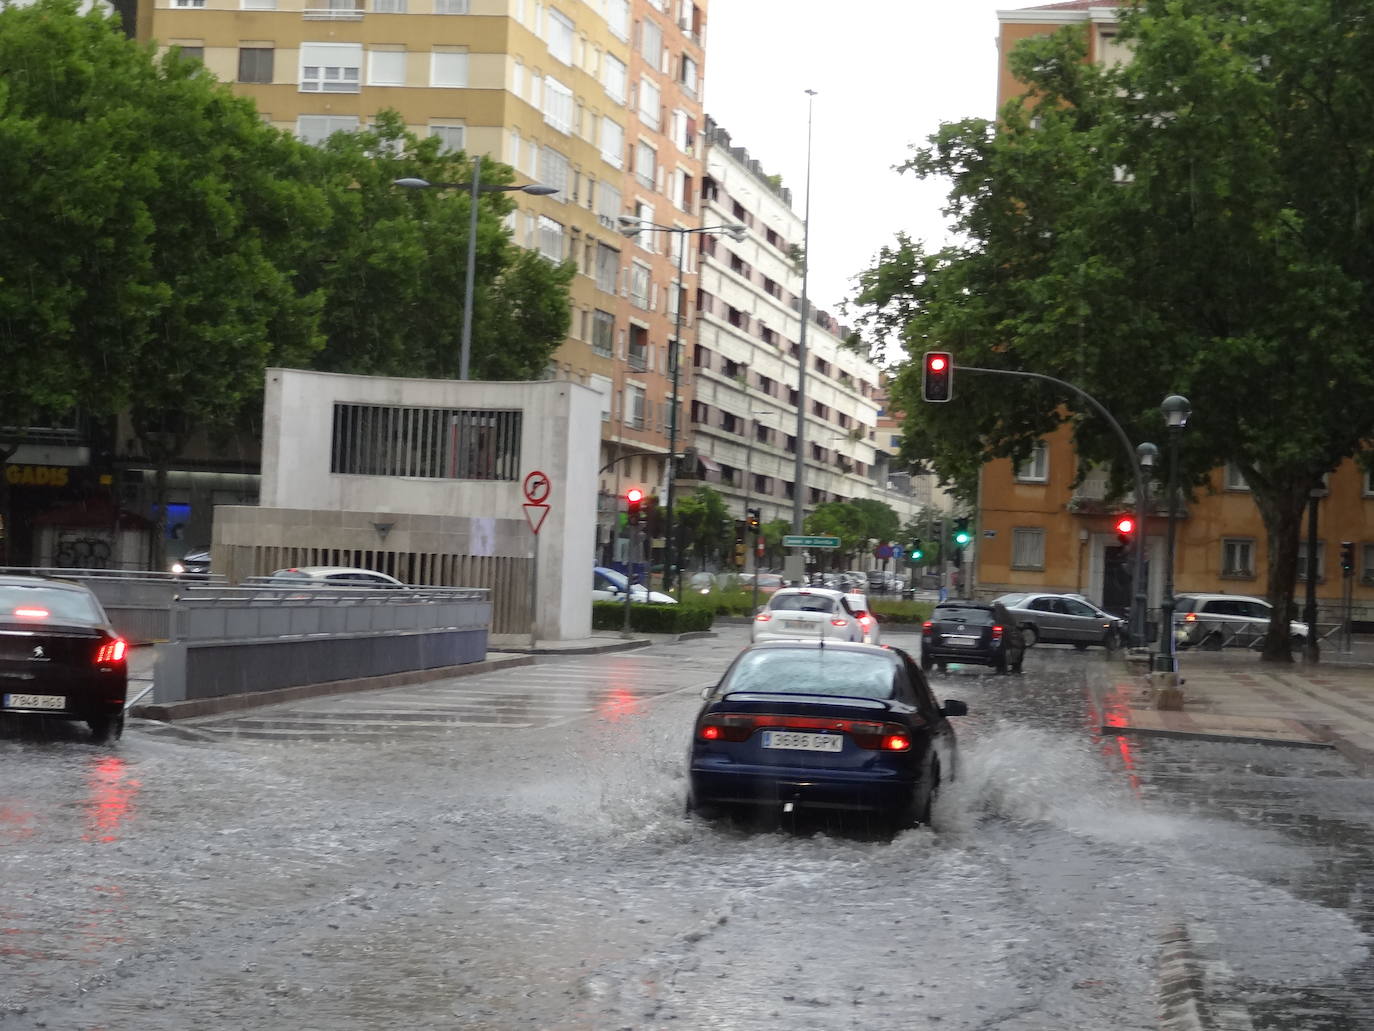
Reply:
x=591, y=649
x=167, y=712
x=1180, y=981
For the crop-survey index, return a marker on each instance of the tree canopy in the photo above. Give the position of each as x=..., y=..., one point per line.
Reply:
x=1193, y=221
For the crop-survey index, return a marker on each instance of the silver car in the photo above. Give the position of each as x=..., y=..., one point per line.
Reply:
x=1064, y=619
x=1227, y=621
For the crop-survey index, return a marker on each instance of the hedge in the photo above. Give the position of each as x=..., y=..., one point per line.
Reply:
x=651, y=619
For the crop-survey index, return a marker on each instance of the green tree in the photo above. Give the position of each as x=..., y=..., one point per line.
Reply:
x=700, y=521
x=774, y=554
x=1199, y=217
x=395, y=265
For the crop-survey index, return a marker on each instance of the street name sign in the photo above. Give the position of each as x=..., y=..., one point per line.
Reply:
x=793, y=540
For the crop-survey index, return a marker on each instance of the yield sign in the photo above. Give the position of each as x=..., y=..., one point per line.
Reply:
x=535, y=514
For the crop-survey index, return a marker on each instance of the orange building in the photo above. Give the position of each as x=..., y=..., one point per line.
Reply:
x=1037, y=531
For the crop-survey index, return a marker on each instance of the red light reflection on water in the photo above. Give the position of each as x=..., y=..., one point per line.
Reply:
x=15, y=823
x=1115, y=712
x=111, y=798
x=617, y=703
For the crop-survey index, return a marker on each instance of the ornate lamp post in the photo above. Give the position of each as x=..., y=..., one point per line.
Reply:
x=1176, y=409
x=1146, y=455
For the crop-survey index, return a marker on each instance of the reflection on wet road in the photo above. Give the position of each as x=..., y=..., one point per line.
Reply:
x=499, y=875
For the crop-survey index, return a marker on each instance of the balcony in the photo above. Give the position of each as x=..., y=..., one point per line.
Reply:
x=349, y=11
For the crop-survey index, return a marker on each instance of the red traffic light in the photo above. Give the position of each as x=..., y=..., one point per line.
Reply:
x=937, y=376
x=634, y=495
x=1125, y=525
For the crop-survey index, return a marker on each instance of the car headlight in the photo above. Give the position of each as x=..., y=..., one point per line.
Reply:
x=178, y=568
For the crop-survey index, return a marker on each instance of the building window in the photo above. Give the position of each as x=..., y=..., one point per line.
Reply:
x=558, y=31
x=255, y=64
x=763, y=485
x=615, y=77
x=1302, y=561
x=436, y=443
x=450, y=6
x=386, y=68
x=315, y=129
x=1368, y=483
x=554, y=170
x=607, y=268
x=450, y=137
x=1036, y=468
x=331, y=67
x=603, y=333
x=1234, y=480
x=188, y=3
x=1028, y=547
x=651, y=43
x=688, y=78
x=639, y=285
x=638, y=352
x=550, y=238
x=1238, y=557
x=650, y=104
x=559, y=107
x=608, y=201
x=646, y=161
x=388, y=6
x=1367, y=568
x=449, y=68
x=634, y=407
x=612, y=143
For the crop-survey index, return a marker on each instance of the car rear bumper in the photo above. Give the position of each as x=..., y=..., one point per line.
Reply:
x=95, y=700
x=975, y=656
x=772, y=787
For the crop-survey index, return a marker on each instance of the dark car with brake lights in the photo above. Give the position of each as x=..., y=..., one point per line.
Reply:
x=59, y=655
x=980, y=633
x=822, y=727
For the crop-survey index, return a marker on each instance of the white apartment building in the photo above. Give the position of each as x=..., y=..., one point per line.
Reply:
x=743, y=419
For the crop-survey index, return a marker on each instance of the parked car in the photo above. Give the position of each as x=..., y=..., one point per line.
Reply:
x=979, y=632
x=59, y=655
x=336, y=576
x=768, y=582
x=708, y=583
x=806, y=726
x=609, y=585
x=1064, y=619
x=1227, y=620
x=813, y=613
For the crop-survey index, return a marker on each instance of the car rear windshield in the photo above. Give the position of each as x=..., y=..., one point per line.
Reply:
x=961, y=614
x=48, y=604
x=814, y=672
x=802, y=603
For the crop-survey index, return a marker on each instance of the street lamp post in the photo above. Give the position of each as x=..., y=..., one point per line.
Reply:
x=1176, y=409
x=1146, y=455
x=469, y=279
x=748, y=486
x=632, y=226
x=799, y=474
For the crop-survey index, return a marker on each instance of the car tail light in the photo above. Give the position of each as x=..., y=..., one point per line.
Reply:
x=31, y=613
x=865, y=619
x=111, y=652
x=925, y=627
x=996, y=634
x=763, y=617
x=890, y=737
x=839, y=622
x=1190, y=617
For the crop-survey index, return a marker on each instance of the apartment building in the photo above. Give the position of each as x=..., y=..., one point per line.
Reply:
x=1047, y=533
x=746, y=355
x=599, y=98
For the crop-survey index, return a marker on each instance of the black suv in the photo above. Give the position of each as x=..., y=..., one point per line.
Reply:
x=980, y=632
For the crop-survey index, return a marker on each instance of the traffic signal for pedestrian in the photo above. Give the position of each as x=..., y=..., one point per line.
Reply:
x=937, y=376
x=1125, y=531
x=1347, y=558
x=752, y=518
x=961, y=533
x=634, y=505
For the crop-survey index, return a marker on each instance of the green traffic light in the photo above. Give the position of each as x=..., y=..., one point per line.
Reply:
x=962, y=538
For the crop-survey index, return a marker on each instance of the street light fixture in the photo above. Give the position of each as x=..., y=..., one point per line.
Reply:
x=412, y=183
x=1176, y=409
x=632, y=226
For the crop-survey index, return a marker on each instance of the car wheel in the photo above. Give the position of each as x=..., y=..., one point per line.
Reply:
x=941, y=668
x=1112, y=640
x=1020, y=660
x=103, y=728
x=691, y=807
x=1081, y=646
x=926, y=664
x=1001, y=664
x=1029, y=635
x=1212, y=642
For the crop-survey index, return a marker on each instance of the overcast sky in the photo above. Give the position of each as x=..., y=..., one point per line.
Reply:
x=886, y=74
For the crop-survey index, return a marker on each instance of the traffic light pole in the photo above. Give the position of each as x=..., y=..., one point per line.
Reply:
x=1141, y=497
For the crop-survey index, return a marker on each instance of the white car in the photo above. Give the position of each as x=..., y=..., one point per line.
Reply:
x=337, y=576
x=811, y=613
x=609, y=585
x=1227, y=620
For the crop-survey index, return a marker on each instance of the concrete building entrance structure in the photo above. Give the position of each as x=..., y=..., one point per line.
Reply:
x=423, y=479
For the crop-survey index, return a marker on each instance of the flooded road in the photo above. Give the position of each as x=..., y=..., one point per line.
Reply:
x=543, y=875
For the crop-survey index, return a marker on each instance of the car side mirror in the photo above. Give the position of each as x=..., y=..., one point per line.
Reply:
x=707, y=692
x=953, y=708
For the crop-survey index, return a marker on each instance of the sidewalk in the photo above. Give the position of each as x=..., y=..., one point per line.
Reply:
x=1232, y=696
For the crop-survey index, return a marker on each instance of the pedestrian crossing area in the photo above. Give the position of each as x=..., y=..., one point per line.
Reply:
x=546, y=694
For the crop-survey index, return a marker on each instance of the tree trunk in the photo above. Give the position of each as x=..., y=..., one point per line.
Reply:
x=1281, y=509
x=6, y=516
x=159, y=562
